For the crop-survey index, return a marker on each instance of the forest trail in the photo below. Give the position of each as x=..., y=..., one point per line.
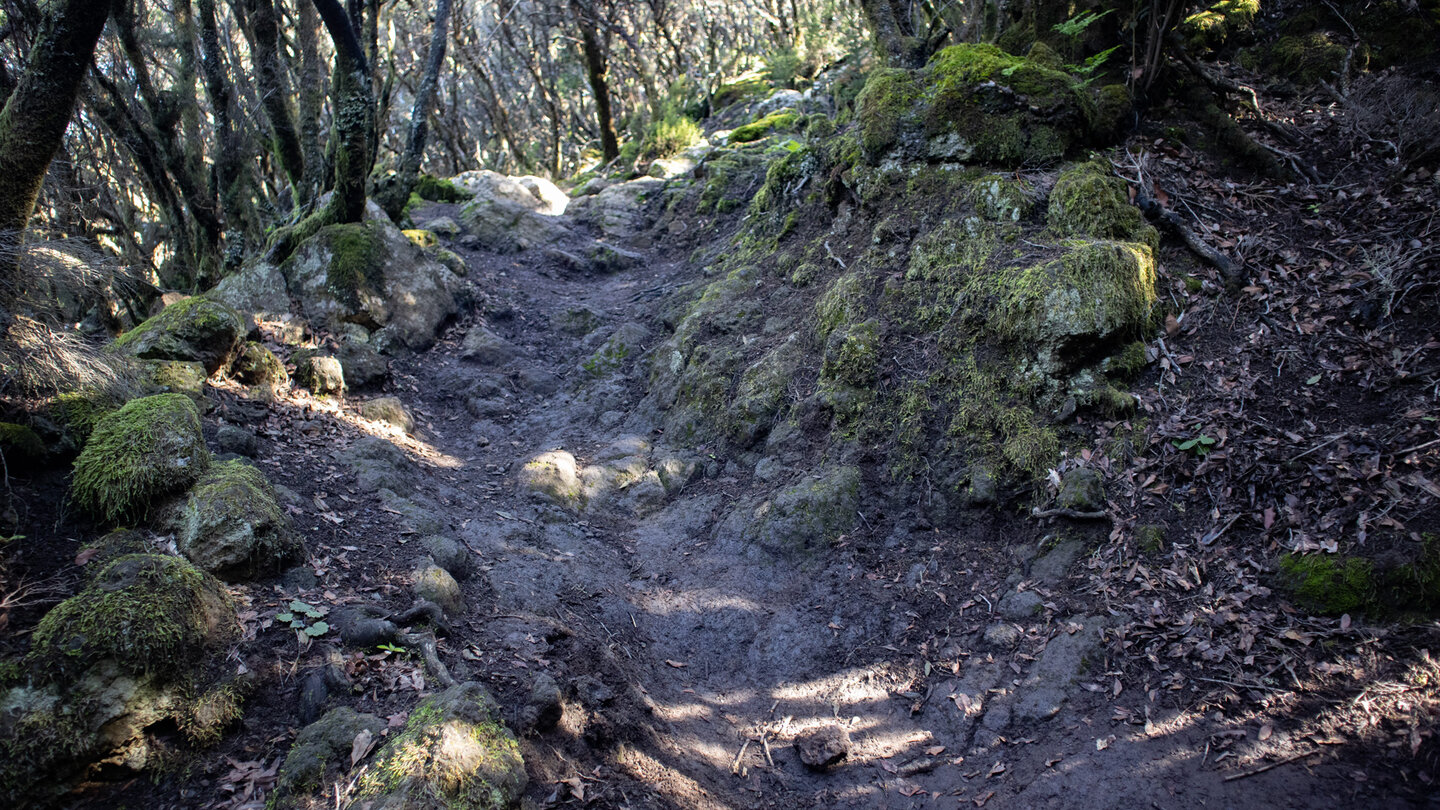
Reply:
x=694, y=665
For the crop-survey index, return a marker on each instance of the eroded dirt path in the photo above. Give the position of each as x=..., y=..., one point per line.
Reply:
x=691, y=662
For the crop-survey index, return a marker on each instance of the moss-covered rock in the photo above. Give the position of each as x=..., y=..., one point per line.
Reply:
x=1327, y=584
x=851, y=354
x=256, y=365
x=77, y=413
x=149, y=449
x=150, y=614
x=1305, y=59
x=763, y=391
x=782, y=121
x=321, y=373
x=233, y=527
x=194, y=329
x=1083, y=490
x=975, y=103
x=389, y=410
x=438, y=189
x=174, y=377
x=555, y=476
x=809, y=514
x=21, y=447
x=1089, y=201
x=439, y=586
x=453, y=754
x=325, y=743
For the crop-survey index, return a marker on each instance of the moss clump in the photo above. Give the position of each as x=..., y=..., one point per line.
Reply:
x=819, y=127
x=453, y=750
x=435, y=189
x=150, y=614
x=762, y=393
x=999, y=198
x=881, y=107
x=1303, y=58
x=1128, y=362
x=357, y=262
x=319, y=744
x=421, y=238
x=990, y=413
x=21, y=447
x=148, y=449
x=782, y=121
x=851, y=355
x=1211, y=28
x=1088, y=201
x=78, y=412
x=670, y=135
x=740, y=89
x=810, y=514
x=206, y=717
x=723, y=172
x=1329, y=585
x=844, y=303
x=257, y=365
x=1150, y=537
x=195, y=329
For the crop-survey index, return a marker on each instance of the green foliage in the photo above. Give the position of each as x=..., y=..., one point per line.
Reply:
x=1075, y=26
x=1199, y=445
x=670, y=135
x=20, y=446
x=305, y=618
x=148, y=449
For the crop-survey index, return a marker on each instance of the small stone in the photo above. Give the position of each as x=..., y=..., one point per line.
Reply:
x=437, y=585
x=823, y=747
x=487, y=348
x=320, y=373
x=544, y=708
x=1001, y=635
x=1021, y=605
x=1082, y=490
x=237, y=440
x=389, y=410
x=450, y=555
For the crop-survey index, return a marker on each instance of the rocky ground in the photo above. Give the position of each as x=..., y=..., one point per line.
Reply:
x=603, y=580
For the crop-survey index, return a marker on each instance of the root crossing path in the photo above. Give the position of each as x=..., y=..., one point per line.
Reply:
x=908, y=665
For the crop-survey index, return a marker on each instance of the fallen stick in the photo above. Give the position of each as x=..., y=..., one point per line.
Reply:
x=1070, y=513
x=1263, y=768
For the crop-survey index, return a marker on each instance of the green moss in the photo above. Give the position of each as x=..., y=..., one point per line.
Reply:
x=724, y=172
x=1328, y=585
x=990, y=414
x=740, y=89
x=435, y=189
x=782, y=121
x=998, y=197
x=357, y=261
x=670, y=135
x=421, y=238
x=257, y=365
x=233, y=525
x=1088, y=201
x=194, y=329
x=148, y=449
x=205, y=718
x=888, y=96
x=851, y=355
x=845, y=302
x=78, y=412
x=763, y=391
x=811, y=514
x=148, y=613
x=1211, y=28
x=1128, y=362
x=819, y=126
x=21, y=447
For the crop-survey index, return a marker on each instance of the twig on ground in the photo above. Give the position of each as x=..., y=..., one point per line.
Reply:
x=1263, y=768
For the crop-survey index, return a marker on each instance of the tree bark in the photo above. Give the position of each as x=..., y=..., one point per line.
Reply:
x=36, y=115
x=896, y=40
x=596, y=70
x=265, y=56
x=397, y=192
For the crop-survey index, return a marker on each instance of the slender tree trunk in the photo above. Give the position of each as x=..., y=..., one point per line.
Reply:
x=35, y=117
x=265, y=56
x=896, y=41
x=312, y=101
x=397, y=191
x=596, y=71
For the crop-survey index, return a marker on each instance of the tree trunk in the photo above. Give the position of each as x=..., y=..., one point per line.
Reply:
x=596, y=71
x=397, y=192
x=312, y=102
x=268, y=78
x=35, y=117
x=897, y=42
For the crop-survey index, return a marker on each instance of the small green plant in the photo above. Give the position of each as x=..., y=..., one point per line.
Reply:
x=1073, y=28
x=1200, y=445
x=392, y=648
x=305, y=618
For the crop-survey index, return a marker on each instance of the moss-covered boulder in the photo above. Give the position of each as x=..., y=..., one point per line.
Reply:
x=151, y=614
x=975, y=103
x=1089, y=201
x=233, y=527
x=21, y=447
x=782, y=121
x=810, y=514
x=371, y=274
x=319, y=747
x=77, y=413
x=453, y=754
x=319, y=372
x=174, y=377
x=1214, y=26
x=554, y=476
x=763, y=391
x=256, y=365
x=149, y=449
x=194, y=329
x=389, y=410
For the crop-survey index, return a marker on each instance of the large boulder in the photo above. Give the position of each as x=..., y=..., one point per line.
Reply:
x=371, y=274
x=257, y=289
x=193, y=329
x=233, y=527
x=512, y=213
x=625, y=213
x=149, y=449
x=453, y=754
